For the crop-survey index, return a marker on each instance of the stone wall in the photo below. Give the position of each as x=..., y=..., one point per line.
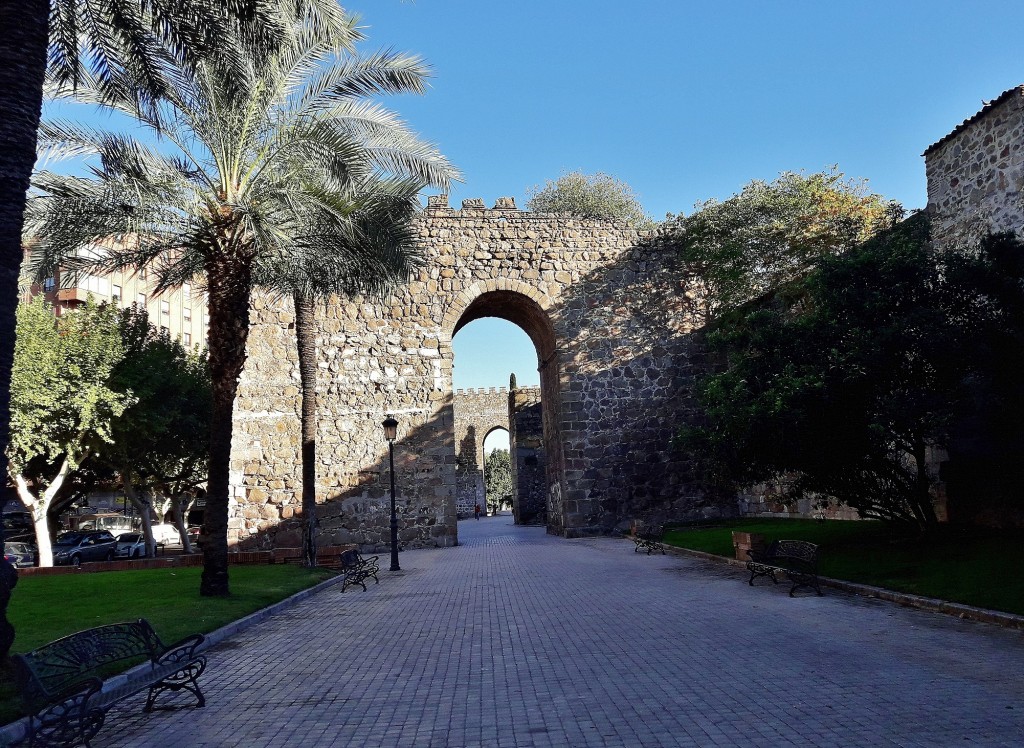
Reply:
x=976, y=173
x=527, y=458
x=477, y=412
x=607, y=315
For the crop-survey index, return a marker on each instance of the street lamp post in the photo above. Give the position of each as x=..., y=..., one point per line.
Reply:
x=390, y=432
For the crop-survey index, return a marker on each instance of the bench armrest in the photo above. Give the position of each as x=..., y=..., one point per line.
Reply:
x=180, y=651
x=69, y=700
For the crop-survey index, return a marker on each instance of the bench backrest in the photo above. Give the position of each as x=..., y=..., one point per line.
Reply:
x=350, y=559
x=55, y=666
x=796, y=549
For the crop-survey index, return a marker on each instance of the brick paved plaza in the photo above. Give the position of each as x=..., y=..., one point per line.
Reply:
x=519, y=639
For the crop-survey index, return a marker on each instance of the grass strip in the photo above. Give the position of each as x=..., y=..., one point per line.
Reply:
x=973, y=566
x=44, y=608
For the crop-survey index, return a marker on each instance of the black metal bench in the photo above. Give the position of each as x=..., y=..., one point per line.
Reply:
x=61, y=682
x=358, y=569
x=797, y=558
x=649, y=539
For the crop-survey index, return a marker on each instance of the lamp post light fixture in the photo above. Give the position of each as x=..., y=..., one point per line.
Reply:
x=390, y=433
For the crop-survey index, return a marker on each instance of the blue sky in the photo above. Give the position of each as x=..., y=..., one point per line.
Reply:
x=688, y=100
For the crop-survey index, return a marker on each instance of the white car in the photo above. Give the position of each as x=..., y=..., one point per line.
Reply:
x=130, y=545
x=166, y=534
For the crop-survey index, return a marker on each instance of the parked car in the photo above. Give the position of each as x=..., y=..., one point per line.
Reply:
x=18, y=527
x=76, y=547
x=130, y=545
x=20, y=554
x=193, y=535
x=167, y=534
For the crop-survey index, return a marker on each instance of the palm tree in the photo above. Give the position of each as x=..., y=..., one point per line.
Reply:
x=122, y=44
x=258, y=161
x=370, y=248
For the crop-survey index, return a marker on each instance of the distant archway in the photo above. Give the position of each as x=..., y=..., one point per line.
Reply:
x=498, y=487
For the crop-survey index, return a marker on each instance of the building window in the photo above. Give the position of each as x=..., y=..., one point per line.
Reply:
x=186, y=291
x=94, y=284
x=187, y=339
x=48, y=285
x=165, y=308
x=140, y=299
x=186, y=314
x=115, y=294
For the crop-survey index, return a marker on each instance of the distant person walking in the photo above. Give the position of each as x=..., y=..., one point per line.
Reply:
x=476, y=511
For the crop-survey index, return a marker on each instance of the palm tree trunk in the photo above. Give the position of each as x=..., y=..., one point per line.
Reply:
x=26, y=26
x=305, y=338
x=229, y=278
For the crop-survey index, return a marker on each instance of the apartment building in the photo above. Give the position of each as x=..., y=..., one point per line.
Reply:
x=181, y=313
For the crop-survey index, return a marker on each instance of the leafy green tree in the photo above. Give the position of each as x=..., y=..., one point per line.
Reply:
x=984, y=293
x=840, y=384
x=160, y=443
x=771, y=233
x=590, y=196
x=255, y=161
x=498, y=477
x=62, y=404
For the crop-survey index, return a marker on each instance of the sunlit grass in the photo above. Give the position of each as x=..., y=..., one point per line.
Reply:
x=973, y=566
x=44, y=608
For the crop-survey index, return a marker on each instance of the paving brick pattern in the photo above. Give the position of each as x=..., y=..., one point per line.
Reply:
x=516, y=639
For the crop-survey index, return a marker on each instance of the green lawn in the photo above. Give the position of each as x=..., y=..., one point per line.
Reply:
x=966, y=565
x=44, y=608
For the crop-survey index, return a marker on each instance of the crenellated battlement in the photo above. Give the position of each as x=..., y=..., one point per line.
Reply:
x=470, y=391
x=440, y=202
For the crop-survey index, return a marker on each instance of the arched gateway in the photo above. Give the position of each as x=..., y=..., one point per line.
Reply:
x=606, y=314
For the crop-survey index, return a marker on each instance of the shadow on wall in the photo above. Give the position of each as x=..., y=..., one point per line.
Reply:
x=628, y=376
x=360, y=512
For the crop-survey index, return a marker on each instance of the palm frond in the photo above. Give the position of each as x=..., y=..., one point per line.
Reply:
x=309, y=181
x=384, y=72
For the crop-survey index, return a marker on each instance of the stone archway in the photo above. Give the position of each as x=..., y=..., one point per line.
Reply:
x=530, y=310
x=607, y=315
x=476, y=413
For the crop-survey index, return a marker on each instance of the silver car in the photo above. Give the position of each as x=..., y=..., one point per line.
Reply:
x=130, y=545
x=20, y=555
x=91, y=545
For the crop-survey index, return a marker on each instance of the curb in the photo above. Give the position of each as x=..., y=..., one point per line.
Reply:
x=934, y=605
x=15, y=731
